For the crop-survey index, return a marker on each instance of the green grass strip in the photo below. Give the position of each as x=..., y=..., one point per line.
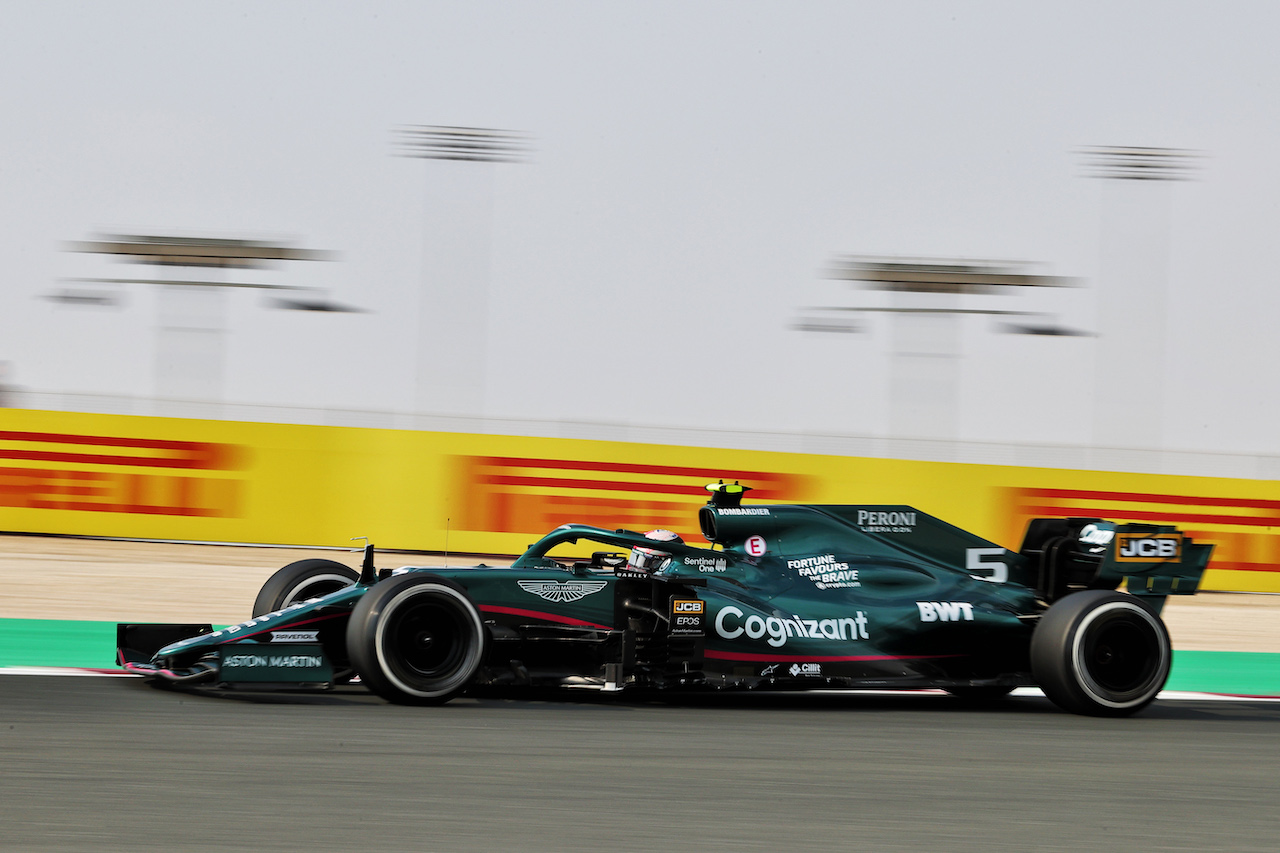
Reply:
x=57, y=642
x=1243, y=673
x=92, y=645
x=54, y=642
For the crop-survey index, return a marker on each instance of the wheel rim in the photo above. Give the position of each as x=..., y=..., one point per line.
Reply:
x=428, y=641
x=428, y=638
x=1120, y=655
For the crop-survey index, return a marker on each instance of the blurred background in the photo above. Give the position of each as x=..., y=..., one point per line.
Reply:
x=444, y=275
x=654, y=215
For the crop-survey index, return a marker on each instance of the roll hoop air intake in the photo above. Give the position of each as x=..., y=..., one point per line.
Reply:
x=722, y=495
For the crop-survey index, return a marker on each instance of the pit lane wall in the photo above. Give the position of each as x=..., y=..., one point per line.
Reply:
x=228, y=481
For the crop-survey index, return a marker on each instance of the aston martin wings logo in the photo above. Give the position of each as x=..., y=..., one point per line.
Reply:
x=562, y=591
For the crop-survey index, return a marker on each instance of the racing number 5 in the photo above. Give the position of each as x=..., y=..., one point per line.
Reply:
x=976, y=560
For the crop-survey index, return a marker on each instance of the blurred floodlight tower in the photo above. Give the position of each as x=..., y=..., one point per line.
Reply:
x=1133, y=282
x=928, y=301
x=450, y=378
x=191, y=326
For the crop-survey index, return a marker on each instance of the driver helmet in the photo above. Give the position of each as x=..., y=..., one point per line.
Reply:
x=650, y=560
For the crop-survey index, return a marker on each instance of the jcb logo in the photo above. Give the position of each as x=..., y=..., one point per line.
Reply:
x=687, y=616
x=1145, y=549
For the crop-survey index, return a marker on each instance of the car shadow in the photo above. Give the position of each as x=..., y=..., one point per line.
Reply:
x=1242, y=709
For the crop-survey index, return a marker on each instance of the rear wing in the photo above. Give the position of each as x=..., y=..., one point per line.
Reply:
x=1064, y=555
x=1156, y=560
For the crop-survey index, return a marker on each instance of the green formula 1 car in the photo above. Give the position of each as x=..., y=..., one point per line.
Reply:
x=796, y=597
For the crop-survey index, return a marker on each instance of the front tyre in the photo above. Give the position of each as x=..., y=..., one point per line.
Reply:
x=416, y=639
x=300, y=581
x=1101, y=653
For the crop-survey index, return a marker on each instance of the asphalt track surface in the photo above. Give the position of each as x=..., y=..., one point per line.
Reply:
x=107, y=764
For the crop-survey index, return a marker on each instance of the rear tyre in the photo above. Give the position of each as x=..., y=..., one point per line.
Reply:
x=300, y=581
x=417, y=639
x=1101, y=653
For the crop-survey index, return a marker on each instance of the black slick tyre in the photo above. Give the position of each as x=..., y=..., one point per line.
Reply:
x=300, y=581
x=1101, y=653
x=416, y=639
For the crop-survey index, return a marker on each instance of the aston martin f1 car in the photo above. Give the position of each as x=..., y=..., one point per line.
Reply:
x=793, y=597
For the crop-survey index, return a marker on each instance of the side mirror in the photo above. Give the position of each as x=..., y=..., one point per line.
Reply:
x=368, y=574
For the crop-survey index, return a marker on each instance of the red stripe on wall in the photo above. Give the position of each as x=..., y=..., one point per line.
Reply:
x=600, y=485
x=1152, y=515
x=766, y=485
x=1144, y=497
x=1228, y=565
x=173, y=454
